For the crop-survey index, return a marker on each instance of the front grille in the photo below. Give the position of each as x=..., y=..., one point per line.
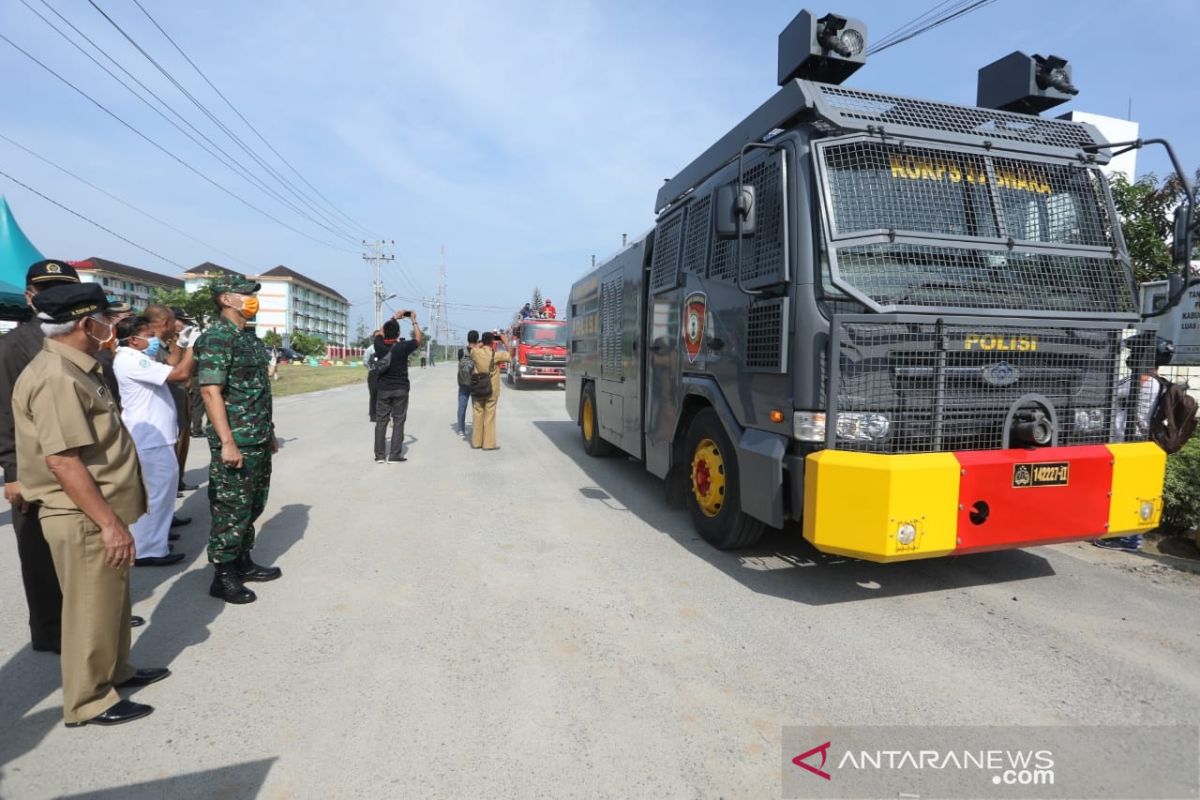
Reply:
x=546, y=361
x=945, y=387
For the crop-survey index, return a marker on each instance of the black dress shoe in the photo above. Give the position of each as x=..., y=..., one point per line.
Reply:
x=136, y=622
x=41, y=647
x=178, y=521
x=247, y=570
x=227, y=586
x=144, y=677
x=123, y=711
x=159, y=561
x=187, y=487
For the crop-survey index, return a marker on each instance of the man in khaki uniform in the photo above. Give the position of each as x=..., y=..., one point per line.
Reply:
x=79, y=466
x=483, y=425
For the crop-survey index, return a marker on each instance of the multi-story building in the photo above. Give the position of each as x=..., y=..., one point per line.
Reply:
x=289, y=303
x=292, y=302
x=122, y=282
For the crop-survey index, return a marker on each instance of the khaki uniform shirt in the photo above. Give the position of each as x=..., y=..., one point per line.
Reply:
x=61, y=403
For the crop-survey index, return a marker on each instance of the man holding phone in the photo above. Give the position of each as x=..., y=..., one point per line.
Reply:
x=392, y=385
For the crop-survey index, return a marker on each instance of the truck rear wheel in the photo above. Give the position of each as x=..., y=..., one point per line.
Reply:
x=589, y=425
x=714, y=499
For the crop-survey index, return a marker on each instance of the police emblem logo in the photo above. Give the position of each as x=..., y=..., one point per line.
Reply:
x=695, y=316
x=1022, y=475
x=53, y=269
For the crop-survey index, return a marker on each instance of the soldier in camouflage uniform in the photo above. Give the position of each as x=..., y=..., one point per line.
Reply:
x=232, y=371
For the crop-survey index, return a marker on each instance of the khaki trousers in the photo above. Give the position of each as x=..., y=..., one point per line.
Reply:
x=95, y=617
x=483, y=421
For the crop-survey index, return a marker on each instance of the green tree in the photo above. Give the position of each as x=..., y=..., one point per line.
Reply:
x=198, y=304
x=308, y=344
x=1145, y=208
x=272, y=339
x=537, y=299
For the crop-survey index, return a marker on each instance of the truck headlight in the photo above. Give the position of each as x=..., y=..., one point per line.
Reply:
x=523, y=367
x=809, y=426
x=1089, y=420
x=862, y=426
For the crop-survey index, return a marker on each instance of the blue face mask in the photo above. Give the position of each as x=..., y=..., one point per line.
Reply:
x=153, y=346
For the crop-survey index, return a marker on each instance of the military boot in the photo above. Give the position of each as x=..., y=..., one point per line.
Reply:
x=228, y=586
x=247, y=570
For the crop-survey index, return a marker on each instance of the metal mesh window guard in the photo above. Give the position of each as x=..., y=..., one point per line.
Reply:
x=875, y=186
x=664, y=270
x=924, y=275
x=611, y=364
x=763, y=253
x=766, y=335
x=699, y=235
x=912, y=387
x=889, y=110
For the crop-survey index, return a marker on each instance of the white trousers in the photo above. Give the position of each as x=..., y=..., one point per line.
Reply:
x=160, y=471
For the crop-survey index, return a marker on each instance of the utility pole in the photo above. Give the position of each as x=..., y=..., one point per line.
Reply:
x=377, y=257
x=431, y=306
x=442, y=332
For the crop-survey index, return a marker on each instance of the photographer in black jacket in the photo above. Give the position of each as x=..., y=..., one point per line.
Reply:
x=392, y=385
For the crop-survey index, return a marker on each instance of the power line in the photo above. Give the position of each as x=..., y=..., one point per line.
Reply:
x=955, y=12
x=261, y=138
x=213, y=118
x=91, y=221
x=112, y=196
x=236, y=167
x=164, y=150
x=913, y=23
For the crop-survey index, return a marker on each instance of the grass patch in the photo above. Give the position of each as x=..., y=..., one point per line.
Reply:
x=300, y=378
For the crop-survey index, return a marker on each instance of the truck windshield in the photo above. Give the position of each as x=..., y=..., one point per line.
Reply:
x=544, y=335
x=927, y=227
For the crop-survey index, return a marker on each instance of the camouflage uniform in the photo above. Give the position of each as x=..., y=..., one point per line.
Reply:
x=237, y=361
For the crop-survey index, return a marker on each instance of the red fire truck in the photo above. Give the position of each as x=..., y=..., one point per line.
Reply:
x=539, y=351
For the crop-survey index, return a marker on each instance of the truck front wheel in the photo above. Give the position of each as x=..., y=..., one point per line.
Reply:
x=714, y=496
x=589, y=425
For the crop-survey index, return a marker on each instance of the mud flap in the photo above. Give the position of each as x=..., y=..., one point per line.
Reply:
x=760, y=470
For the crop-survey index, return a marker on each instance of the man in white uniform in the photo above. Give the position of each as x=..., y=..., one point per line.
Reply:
x=148, y=412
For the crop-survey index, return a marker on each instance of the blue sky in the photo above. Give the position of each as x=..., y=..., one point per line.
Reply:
x=525, y=136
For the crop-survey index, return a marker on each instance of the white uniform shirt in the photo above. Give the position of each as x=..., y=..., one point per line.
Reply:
x=147, y=408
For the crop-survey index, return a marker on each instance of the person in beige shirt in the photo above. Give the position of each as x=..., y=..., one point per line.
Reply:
x=79, y=467
x=483, y=425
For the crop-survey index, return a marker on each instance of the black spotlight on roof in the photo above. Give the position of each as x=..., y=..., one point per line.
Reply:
x=1025, y=84
x=828, y=49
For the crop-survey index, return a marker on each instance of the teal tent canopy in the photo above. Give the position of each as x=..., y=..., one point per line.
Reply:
x=16, y=254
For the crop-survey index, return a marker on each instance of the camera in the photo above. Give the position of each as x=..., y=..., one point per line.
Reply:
x=407, y=314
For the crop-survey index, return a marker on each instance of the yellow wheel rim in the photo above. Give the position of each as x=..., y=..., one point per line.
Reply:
x=589, y=419
x=708, y=477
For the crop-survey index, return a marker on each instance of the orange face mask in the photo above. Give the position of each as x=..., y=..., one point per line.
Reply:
x=250, y=307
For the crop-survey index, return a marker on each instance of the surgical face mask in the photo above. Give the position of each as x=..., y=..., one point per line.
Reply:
x=153, y=344
x=108, y=338
x=250, y=307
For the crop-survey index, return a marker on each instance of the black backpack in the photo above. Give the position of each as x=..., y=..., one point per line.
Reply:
x=383, y=364
x=481, y=382
x=466, y=366
x=1173, y=420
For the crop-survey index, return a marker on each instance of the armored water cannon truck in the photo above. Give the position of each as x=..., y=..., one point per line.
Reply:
x=906, y=324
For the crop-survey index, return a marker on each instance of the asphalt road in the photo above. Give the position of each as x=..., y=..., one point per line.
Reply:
x=534, y=623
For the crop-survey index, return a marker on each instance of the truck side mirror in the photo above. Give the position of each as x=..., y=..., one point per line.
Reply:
x=731, y=206
x=1181, y=245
